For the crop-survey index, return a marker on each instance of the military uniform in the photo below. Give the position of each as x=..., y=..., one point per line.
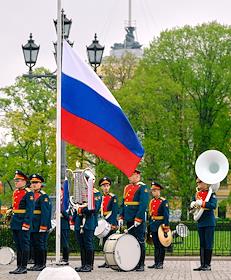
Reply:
x=206, y=228
x=21, y=222
x=133, y=208
x=85, y=224
x=41, y=223
x=158, y=216
x=108, y=210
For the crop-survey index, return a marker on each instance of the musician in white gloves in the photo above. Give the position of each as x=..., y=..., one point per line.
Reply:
x=133, y=208
x=206, y=224
x=109, y=209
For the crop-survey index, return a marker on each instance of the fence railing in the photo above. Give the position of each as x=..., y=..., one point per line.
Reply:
x=180, y=247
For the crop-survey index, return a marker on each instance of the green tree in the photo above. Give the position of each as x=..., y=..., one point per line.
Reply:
x=179, y=102
x=117, y=71
x=29, y=107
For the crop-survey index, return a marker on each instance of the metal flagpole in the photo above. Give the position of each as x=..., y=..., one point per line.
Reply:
x=58, y=130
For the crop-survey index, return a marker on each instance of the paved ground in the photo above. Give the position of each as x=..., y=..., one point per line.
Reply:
x=174, y=268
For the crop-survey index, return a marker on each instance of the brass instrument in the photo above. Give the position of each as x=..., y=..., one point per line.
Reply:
x=83, y=186
x=211, y=168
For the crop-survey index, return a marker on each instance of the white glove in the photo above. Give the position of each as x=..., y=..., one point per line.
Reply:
x=25, y=228
x=136, y=224
x=192, y=205
x=199, y=202
x=72, y=227
x=120, y=222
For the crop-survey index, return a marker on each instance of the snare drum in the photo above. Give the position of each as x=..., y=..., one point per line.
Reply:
x=122, y=252
x=102, y=229
x=7, y=255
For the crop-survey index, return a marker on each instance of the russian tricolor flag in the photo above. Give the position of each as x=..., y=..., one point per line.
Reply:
x=92, y=119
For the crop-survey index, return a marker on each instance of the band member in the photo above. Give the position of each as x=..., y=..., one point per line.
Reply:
x=109, y=208
x=21, y=222
x=159, y=216
x=41, y=222
x=206, y=224
x=133, y=208
x=65, y=230
x=85, y=224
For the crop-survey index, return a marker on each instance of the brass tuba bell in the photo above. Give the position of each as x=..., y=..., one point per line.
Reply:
x=211, y=168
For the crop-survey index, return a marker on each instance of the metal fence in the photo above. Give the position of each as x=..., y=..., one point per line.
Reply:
x=180, y=247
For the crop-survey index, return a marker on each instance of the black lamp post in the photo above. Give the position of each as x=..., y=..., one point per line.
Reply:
x=30, y=52
x=66, y=25
x=95, y=53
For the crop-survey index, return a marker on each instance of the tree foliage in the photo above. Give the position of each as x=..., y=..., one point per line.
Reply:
x=179, y=103
x=29, y=107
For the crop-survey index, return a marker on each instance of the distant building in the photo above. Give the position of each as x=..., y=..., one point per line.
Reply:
x=129, y=44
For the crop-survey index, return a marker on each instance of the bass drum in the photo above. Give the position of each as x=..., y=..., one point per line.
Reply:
x=7, y=255
x=102, y=229
x=122, y=252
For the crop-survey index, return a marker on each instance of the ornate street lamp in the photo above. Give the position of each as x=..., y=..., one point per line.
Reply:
x=66, y=25
x=30, y=52
x=55, y=47
x=95, y=53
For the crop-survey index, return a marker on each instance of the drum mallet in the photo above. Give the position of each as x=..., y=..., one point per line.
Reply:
x=126, y=230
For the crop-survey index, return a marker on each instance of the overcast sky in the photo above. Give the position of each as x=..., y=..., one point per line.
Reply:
x=104, y=17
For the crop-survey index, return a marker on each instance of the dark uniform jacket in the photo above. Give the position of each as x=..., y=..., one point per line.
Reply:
x=42, y=212
x=65, y=220
x=158, y=213
x=23, y=206
x=88, y=218
x=135, y=202
x=109, y=208
x=207, y=218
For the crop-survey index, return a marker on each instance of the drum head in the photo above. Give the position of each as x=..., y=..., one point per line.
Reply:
x=127, y=252
x=102, y=224
x=7, y=255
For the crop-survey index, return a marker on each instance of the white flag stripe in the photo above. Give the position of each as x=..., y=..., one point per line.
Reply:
x=73, y=66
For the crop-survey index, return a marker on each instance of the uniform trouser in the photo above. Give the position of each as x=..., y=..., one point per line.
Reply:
x=22, y=242
x=86, y=244
x=39, y=241
x=159, y=249
x=139, y=234
x=206, y=236
x=65, y=238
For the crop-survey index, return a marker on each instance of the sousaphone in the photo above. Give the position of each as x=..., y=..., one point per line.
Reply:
x=211, y=168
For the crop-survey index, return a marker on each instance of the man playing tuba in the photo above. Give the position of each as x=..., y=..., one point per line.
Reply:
x=206, y=223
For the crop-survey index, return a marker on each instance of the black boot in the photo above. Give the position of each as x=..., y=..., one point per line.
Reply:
x=87, y=267
x=19, y=262
x=155, y=259
x=31, y=256
x=104, y=265
x=161, y=258
x=65, y=256
x=208, y=257
x=92, y=260
x=83, y=260
x=140, y=266
x=41, y=260
x=36, y=261
x=23, y=268
x=202, y=260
